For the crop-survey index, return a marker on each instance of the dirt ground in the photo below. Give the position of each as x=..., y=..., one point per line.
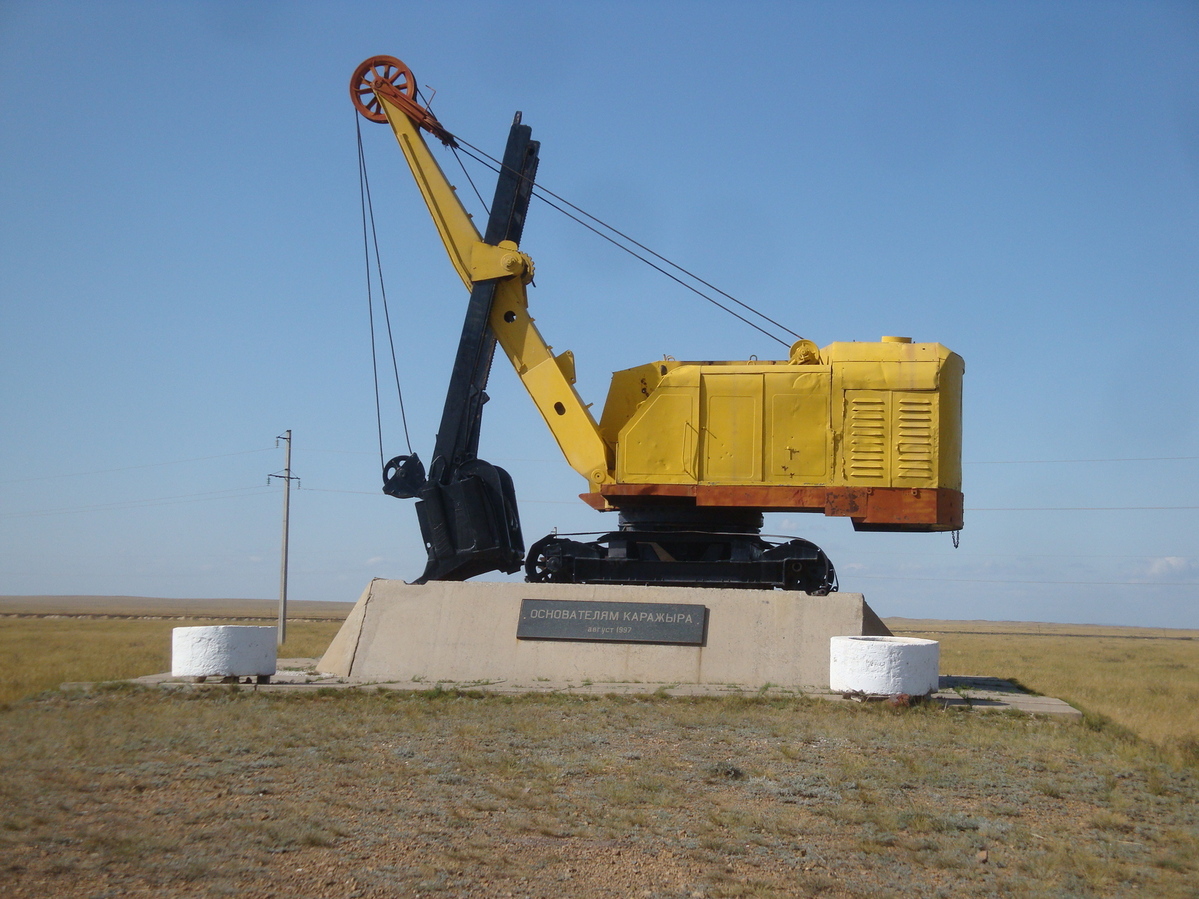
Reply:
x=137, y=792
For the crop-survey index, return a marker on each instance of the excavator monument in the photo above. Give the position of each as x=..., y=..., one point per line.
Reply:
x=688, y=454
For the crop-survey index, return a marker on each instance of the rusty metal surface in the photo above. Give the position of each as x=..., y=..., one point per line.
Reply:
x=895, y=508
x=387, y=77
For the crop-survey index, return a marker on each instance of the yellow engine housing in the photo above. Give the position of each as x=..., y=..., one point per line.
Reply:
x=867, y=430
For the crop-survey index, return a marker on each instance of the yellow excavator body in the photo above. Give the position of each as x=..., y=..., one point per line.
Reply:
x=868, y=430
x=871, y=431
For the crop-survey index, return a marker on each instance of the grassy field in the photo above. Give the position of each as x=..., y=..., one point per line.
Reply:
x=1144, y=679
x=47, y=641
x=139, y=792
x=263, y=610
x=40, y=653
x=136, y=792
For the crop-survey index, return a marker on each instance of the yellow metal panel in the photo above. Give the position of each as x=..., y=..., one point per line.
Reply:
x=453, y=222
x=798, y=437
x=658, y=445
x=549, y=380
x=876, y=414
x=865, y=439
x=629, y=389
x=896, y=414
x=731, y=429
x=569, y=421
x=891, y=438
x=504, y=260
x=883, y=352
x=914, y=438
x=887, y=375
x=566, y=362
x=732, y=444
x=949, y=420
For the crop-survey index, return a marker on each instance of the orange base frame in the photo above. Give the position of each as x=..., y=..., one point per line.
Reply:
x=871, y=508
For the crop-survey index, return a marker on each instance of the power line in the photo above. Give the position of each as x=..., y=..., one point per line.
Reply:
x=1083, y=509
x=1079, y=461
x=380, y=493
x=1042, y=582
x=232, y=493
x=78, y=474
x=978, y=555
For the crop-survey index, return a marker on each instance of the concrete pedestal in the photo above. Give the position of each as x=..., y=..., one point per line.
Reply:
x=467, y=632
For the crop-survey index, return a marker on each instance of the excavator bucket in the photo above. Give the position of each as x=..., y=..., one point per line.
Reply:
x=470, y=525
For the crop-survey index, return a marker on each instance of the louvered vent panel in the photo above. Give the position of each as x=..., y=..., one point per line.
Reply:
x=867, y=439
x=914, y=456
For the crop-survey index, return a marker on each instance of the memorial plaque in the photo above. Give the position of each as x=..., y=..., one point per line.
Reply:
x=614, y=622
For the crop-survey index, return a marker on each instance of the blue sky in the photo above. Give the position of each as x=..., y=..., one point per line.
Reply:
x=181, y=274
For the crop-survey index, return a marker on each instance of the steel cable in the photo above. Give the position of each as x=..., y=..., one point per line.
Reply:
x=364, y=192
x=542, y=193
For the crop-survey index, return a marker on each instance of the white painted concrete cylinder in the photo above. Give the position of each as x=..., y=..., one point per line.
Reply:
x=883, y=666
x=223, y=651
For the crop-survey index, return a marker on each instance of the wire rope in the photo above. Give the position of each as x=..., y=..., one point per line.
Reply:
x=544, y=194
x=659, y=268
x=469, y=179
x=453, y=147
x=368, y=210
x=370, y=302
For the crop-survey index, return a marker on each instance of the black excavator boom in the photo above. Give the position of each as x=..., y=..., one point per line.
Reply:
x=467, y=507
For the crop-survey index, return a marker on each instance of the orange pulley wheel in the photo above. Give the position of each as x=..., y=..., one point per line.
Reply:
x=374, y=70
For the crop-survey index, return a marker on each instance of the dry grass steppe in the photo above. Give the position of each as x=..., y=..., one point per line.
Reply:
x=50, y=640
x=1143, y=679
x=133, y=791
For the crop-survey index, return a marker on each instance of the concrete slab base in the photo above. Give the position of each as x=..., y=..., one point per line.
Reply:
x=467, y=633
x=992, y=694
x=979, y=694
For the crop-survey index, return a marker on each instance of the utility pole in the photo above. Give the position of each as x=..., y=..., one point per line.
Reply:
x=287, y=478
